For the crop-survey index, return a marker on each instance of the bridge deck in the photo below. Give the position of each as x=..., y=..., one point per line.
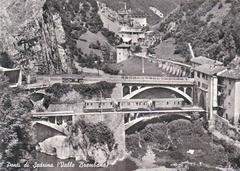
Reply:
x=46, y=81
x=71, y=113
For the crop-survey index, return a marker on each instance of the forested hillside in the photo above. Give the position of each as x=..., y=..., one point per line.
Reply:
x=211, y=26
x=142, y=7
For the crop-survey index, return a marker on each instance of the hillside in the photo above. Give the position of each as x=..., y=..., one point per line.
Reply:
x=143, y=7
x=211, y=26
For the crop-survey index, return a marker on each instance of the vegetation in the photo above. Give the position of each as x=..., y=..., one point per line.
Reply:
x=173, y=140
x=112, y=38
x=5, y=60
x=103, y=89
x=84, y=135
x=77, y=16
x=211, y=36
x=16, y=145
x=142, y=7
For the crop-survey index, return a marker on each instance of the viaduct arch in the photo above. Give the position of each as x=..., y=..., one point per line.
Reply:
x=184, y=92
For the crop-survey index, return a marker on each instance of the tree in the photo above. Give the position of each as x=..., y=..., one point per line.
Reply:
x=5, y=60
x=16, y=144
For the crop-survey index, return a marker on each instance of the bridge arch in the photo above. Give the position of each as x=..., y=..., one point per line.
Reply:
x=184, y=95
x=44, y=130
x=136, y=121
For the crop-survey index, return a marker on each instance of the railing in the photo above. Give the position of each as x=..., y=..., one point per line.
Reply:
x=173, y=62
x=152, y=78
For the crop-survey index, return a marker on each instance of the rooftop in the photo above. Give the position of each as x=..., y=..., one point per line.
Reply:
x=204, y=60
x=231, y=73
x=233, y=69
x=210, y=69
x=130, y=30
x=123, y=45
x=2, y=69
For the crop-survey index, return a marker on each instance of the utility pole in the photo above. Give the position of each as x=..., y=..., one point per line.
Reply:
x=143, y=69
x=100, y=100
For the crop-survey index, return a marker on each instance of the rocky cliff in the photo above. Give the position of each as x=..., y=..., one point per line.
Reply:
x=40, y=35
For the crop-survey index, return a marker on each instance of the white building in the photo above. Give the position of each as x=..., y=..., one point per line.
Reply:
x=138, y=21
x=123, y=52
x=218, y=89
x=207, y=86
x=14, y=76
x=200, y=60
x=136, y=35
x=229, y=92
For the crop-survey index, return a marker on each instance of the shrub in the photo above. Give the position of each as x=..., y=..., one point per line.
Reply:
x=5, y=60
x=110, y=70
x=220, y=5
x=209, y=17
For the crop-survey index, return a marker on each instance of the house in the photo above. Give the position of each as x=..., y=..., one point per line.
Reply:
x=229, y=92
x=138, y=21
x=200, y=60
x=207, y=86
x=123, y=52
x=218, y=89
x=136, y=35
x=14, y=76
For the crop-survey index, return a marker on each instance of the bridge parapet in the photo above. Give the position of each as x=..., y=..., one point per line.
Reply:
x=151, y=80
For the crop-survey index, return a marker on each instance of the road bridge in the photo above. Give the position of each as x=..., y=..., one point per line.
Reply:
x=60, y=117
x=44, y=81
x=125, y=84
x=71, y=113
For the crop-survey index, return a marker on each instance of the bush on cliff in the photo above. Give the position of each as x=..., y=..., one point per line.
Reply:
x=102, y=88
x=90, y=134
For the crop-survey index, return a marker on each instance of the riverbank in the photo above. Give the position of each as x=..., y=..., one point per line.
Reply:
x=178, y=144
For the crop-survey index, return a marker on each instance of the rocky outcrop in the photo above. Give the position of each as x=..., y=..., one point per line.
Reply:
x=40, y=35
x=61, y=147
x=34, y=37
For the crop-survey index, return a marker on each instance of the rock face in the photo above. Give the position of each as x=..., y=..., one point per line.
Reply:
x=40, y=35
x=63, y=149
x=33, y=37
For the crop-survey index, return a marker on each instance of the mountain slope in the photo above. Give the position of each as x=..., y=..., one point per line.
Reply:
x=41, y=35
x=143, y=7
x=211, y=26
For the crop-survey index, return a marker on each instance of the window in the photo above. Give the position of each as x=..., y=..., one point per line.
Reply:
x=199, y=84
x=229, y=92
x=198, y=74
x=230, y=82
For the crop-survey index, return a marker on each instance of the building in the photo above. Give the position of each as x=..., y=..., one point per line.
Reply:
x=218, y=89
x=138, y=21
x=200, y=60
x=207, y=87
x=123, y=52
x=14, y=76
x=229, y=92
x=136, y=35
